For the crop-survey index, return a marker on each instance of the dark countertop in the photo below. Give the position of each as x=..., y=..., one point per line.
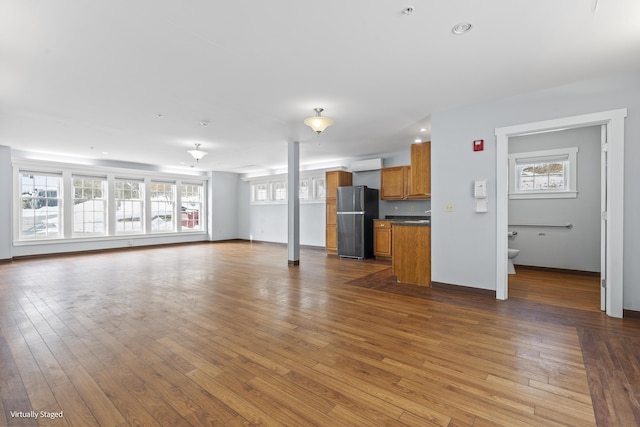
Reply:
x=410, y=217
x=413, y=223
x=413, y=220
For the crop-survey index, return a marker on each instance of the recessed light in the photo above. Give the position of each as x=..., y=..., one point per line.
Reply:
x=423, y=129
x=417, y=140
x=461, y=28
x=105, y=152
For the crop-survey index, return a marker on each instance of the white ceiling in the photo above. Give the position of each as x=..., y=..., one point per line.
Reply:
x=82, y=78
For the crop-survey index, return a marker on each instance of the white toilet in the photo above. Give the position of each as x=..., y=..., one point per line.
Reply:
x=512, y=254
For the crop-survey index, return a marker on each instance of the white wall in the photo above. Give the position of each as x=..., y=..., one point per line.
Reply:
x=268, y=223
x=577, y=248
x=224, y=205
x=463, y=242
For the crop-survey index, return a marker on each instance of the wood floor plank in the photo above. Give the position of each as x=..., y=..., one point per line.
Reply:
x=101, y=404
x=228, y=334
x=75, y=410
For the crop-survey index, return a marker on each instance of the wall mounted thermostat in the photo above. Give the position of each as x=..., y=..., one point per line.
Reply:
x=478, y=145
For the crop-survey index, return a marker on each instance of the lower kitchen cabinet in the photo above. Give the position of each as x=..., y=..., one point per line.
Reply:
x=382, y=240
x=412, y=254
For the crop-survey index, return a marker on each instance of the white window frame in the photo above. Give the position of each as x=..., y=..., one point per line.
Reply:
x=139, y=201
x=199, y=204
x=172, y=201
x=314, y=178
x=255, y=190
x=104, y=199
x=569, y=154
x=279, y=186
x=18, y=215
x=68, y=170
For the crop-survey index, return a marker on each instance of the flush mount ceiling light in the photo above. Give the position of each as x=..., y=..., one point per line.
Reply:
x=461, y=28
x=197, y=153
x=318, y=123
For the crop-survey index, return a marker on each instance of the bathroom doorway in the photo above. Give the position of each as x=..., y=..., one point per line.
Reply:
x=554, y=218
x=612, y=204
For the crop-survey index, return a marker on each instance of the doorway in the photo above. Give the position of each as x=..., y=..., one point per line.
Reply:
x=612, y=215
x=554, y=214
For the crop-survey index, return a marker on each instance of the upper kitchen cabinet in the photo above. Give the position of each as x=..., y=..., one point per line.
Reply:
x=420, y=171
x=409, y=182
x=394, y=182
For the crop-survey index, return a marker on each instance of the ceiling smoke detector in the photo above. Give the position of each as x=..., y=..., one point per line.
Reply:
x=461, y=28
x=408, y=10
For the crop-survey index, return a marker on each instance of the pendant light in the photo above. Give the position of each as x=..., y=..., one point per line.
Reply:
x=317, y=122
x=197, y=153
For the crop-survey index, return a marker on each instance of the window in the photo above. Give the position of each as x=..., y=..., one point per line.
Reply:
x=191, y=199
x=543, y=174
x=41, y=206
x=319, y=188
x=260, y=192
x=280, y=191
x=129, y=200
x=89, y=206
x=274, y=189
x=162, y=207
x=306, y=190
x=66, y=201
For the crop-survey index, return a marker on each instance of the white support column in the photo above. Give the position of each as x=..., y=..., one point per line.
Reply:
x=293, y=209
x=6, y=195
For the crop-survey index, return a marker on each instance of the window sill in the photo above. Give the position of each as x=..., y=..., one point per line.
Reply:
x=544, y=195
x=119, y=237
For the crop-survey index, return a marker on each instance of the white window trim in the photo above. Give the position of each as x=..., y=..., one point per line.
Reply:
x=312, y=176
x=66, y=170
x=571, y=193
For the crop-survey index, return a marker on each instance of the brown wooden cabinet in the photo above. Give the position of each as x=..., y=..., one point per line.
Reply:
x=394, y=182
x=382, y=240
x=333, y=180
x=409, y=182
x=420, y=171
x=412, y=254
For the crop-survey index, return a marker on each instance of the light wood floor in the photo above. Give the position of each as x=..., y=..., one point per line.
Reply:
x=227, y=334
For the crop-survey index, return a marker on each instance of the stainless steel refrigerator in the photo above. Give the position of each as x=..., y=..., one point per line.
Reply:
x=357, y=208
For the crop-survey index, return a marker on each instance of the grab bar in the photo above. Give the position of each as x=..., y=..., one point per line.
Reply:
x=569, y=226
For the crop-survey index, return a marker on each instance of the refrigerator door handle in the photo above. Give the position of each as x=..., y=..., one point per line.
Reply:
x=350, y=213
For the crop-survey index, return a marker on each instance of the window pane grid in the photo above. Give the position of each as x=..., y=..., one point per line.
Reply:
x=280, y=191
x=162, y=207
x=542, y=176
x=89, y=206
x=192, y=196
x=41, y=205
x=129, y=207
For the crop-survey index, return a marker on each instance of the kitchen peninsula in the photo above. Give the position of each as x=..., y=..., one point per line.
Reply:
x=411, y=257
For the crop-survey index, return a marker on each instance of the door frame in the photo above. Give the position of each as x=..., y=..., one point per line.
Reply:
x=613, y=120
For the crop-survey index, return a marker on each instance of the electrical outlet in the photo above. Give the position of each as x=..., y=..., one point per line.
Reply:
x=449, y=207
x=395, y=208
x=413, y=209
